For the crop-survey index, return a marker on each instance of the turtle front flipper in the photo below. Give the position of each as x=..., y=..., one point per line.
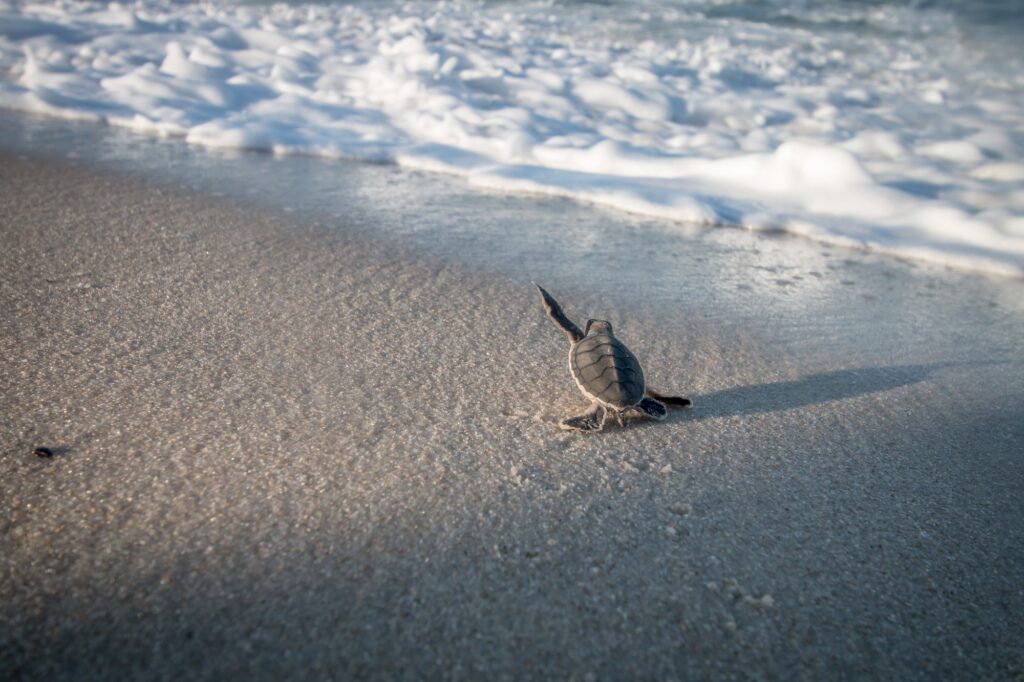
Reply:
x=558, y=316
x=674, y=400
x=652, y=408
x=591, y=420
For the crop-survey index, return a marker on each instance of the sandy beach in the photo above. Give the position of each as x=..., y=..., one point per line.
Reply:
x=292, y=450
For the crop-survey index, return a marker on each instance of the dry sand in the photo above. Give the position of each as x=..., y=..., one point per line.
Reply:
x=289, y=451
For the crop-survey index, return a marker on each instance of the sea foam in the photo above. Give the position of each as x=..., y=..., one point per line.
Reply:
x=873, y=126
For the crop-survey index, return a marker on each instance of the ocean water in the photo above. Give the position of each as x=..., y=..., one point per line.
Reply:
x=896, y=127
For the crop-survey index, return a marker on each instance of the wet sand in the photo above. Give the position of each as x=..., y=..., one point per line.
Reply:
x=289, y=449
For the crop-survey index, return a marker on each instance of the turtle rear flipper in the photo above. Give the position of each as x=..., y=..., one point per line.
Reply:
x=591, y=420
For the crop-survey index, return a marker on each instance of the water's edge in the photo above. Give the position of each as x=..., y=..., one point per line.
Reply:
x=789, y=291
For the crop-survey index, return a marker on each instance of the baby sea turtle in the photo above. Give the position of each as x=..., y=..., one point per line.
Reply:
x=607, y=372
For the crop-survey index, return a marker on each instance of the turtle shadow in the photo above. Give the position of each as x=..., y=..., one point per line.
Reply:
x=812, y=389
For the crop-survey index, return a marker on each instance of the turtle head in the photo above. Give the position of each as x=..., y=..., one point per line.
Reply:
x=598, y=327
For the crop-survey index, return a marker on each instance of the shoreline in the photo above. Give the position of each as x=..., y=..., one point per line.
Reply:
x=689, y=118
x=211, y=171
x=287, y=448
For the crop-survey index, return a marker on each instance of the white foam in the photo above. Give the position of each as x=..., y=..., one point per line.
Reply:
x=901, y=139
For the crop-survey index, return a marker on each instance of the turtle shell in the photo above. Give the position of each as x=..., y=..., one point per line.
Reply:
x=607, y=371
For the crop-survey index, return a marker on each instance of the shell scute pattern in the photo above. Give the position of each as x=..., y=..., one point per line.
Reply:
x=607, y=370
